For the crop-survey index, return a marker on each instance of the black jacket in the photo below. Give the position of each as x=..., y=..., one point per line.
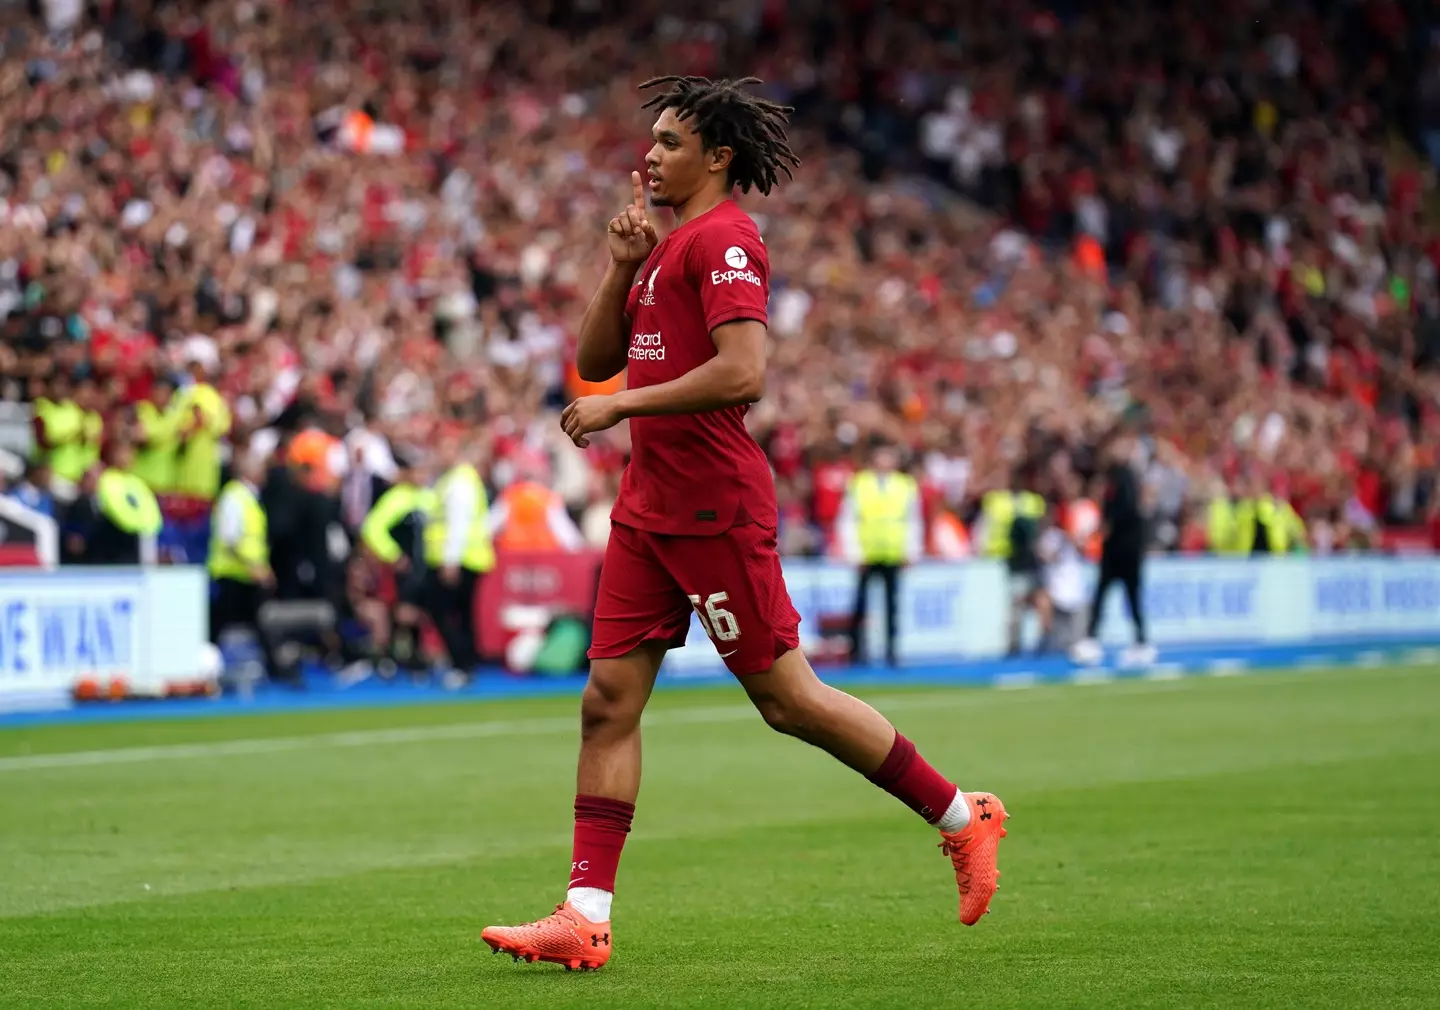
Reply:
x=299, y=521
x=1123, y=516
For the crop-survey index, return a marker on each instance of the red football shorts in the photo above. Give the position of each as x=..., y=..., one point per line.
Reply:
x=650, y=583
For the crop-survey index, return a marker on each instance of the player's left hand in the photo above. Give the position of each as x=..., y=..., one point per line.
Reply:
x=589, y=414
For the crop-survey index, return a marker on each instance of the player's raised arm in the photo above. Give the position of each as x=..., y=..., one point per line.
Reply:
x=727, y=263
x=605, y=330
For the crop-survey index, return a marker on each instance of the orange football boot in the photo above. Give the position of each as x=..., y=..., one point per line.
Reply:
x=972, y=853
x=565, y=937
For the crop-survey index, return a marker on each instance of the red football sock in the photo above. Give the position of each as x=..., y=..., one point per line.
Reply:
x=601, y=825
x=908, y=777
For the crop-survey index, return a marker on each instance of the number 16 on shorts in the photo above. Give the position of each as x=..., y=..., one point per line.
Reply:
x=718, y=622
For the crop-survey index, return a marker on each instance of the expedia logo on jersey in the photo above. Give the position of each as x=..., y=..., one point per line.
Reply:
x=737, y=261
x=647, y=347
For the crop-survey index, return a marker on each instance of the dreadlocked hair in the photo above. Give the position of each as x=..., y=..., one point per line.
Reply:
x=728, y=116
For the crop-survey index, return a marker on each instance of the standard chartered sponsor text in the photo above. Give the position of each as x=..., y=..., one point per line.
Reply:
x=647, y=347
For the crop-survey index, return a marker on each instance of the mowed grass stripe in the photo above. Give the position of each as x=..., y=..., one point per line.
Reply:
x=419, y=734
x=674, y=710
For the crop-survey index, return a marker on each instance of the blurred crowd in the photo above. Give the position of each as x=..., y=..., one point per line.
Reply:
x=373, y=225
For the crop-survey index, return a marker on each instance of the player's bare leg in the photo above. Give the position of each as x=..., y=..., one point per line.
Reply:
x=577, y=933
x=610, y=708
x=794, y=701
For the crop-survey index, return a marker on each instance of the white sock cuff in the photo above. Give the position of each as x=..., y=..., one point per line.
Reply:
x=591, y=902
x=956, y=816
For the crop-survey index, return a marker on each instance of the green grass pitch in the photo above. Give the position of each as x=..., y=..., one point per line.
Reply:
x=1233, y=842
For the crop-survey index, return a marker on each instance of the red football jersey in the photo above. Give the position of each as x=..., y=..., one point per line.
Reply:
x=695, y=474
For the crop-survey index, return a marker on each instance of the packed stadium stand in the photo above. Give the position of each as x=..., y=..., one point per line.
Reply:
x=372, y=224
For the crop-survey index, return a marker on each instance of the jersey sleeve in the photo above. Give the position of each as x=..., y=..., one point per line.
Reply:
x=728, y=265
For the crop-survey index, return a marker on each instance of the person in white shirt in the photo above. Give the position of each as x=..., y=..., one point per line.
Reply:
x=1064, y=581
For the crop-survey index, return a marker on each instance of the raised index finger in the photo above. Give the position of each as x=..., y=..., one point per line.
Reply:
x=639, y=190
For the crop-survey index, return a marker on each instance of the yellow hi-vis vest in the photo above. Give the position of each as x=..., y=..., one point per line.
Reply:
x=479, y=555
x=1283, y=525
x=1222, y=528
x=394, y=505
x=92, y=433
x=238, y=561
x=157, y=462
x=66, y=430
x=882, y=515
x=198, y=463
x=1000, y=509
x=128, y=502
x=60, y=422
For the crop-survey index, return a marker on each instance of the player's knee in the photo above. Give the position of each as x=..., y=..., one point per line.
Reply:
x=607, y=706
x=793, y=714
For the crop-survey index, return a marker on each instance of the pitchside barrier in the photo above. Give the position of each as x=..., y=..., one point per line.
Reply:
x=143, y=631
x=136, y=631
x=957, y=612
